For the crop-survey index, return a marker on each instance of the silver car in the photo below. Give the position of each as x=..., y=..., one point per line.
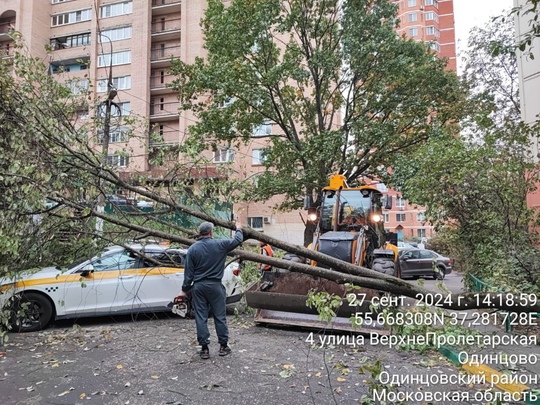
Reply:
x=423, y=262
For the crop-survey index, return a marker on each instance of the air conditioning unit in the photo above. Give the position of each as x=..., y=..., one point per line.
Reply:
x=267, y=220
x=402, y=208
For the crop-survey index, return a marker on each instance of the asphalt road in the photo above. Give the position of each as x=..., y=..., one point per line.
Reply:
x=153, y=360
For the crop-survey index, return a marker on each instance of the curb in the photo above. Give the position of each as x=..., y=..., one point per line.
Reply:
x=453, y=355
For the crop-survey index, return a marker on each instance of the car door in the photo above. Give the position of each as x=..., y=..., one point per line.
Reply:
x=426, y=261
x=157, y=285
x=409, y=262
x=105, y=289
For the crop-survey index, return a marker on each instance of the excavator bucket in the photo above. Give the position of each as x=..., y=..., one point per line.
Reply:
x=284, y=303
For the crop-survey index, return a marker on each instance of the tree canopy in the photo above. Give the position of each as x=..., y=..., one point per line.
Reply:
x=343, y=93
x=477, y=185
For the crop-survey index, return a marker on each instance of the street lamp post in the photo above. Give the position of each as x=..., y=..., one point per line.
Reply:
x=111, y=94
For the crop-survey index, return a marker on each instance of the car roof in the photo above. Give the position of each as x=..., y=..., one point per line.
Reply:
x=153, y=247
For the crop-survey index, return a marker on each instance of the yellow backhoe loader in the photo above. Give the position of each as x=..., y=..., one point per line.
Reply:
x=350, y=227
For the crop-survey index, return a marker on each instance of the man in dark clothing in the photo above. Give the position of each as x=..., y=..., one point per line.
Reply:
x=203, y=271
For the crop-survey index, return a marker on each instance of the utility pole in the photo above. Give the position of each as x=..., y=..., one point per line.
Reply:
x=111, y=94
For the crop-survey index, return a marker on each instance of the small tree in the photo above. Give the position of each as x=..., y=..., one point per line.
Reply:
x=477, y=184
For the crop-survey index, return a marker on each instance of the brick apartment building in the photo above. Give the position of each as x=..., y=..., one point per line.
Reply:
x=138, y=39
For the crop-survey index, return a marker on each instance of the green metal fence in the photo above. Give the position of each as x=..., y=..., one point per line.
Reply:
x=475, y=284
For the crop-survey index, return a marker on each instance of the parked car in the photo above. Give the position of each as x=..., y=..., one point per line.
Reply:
x=423, y=262
x=119, y=281
x=145, y=204
x=404, y=245
x=120, y=202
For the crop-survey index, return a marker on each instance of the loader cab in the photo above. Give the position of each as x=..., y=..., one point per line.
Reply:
x=351, y=209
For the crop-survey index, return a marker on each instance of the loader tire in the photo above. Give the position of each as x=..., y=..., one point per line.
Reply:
x=385, y=265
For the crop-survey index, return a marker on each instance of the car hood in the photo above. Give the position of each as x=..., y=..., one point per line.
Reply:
x=45, y=272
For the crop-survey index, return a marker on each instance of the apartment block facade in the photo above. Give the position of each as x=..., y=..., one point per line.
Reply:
x=136, y=39
x=529, y=88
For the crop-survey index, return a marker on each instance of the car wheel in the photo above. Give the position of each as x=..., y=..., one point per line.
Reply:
x=31, y=312
x=385, y=265
x=439, y=274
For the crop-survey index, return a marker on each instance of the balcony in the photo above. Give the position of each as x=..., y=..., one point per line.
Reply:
x=70, y=64
x=159, y=83
x=166, y=29
x=6, y=28
x=6, y=52
x=161, y=57
x=162, y=7
x=164, y=136
x=164, y=111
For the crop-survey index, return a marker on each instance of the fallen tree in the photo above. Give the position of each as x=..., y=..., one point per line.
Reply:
x=45, y=156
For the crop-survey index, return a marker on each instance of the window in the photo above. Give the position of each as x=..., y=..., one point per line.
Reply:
x=116, y=136
x=77, y=86
x=400, y=218
x=413, y=32
x=112, y=10
x=255, y=222
x=72, y=17
x=400, y=202
x=59, y=1
x=125, y=108
x=228, y=102
x=71, y=41
x=115, y=34
x=431, y=30
x=118, y=58
x=431, y=16
x=117, y=261
x=421, y=233
x=432, y=3
x=117, y=160
x=117, y=109
x=263, y=129
x=223, y=155
x=381, y=187
x=435, y=46
x=258, y=156
x=119, y=83
x=420, y=216
x=413, y=17
x=386, y=217
x=411, y=3
x=82, y=115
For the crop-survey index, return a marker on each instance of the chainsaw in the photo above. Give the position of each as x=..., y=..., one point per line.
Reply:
x=180, y=306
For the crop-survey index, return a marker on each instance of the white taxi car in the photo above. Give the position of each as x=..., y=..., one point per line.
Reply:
x=122, y=280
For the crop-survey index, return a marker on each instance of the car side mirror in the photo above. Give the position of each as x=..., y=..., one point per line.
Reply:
x=86, y=270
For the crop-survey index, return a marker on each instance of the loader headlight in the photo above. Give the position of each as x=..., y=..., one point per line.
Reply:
x=376, y=218
x=312, y=215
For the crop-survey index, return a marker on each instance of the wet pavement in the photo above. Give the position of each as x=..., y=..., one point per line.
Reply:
x=154, y=361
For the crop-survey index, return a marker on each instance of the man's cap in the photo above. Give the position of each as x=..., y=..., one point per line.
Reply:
x=205, y=228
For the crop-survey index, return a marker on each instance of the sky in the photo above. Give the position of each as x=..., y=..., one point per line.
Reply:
x=472, y=13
